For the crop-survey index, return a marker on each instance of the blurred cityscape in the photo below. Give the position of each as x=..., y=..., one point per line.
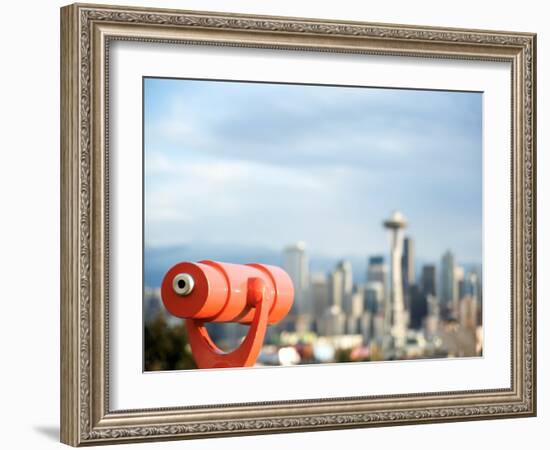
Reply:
x=395, y=312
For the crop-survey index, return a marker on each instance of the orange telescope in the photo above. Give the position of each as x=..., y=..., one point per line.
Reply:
x=210, y=291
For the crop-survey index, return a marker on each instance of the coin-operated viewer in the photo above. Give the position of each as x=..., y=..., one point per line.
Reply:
x=210, y=291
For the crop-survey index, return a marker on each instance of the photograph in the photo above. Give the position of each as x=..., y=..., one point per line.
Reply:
x=273, y=221
x=358, y=208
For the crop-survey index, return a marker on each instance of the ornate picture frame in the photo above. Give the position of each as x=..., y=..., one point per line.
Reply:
x=87, y=31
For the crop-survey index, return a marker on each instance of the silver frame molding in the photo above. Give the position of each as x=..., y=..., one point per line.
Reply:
x=86, y=32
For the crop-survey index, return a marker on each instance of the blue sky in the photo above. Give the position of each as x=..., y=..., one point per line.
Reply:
x=265, y=165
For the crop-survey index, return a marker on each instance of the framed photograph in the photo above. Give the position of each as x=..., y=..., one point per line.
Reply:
x=276, y=224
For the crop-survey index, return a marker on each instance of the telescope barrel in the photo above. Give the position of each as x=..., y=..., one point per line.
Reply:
x=212, y=291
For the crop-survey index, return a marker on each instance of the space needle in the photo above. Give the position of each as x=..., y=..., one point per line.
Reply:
x=395, y=318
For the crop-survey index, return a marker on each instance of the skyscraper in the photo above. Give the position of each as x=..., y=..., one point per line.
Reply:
x=297, y=266
x=356, y=310
x=459, y=278
x=358, y=301
x=428, y=281
x=319, y=294
x=377, y=270
x=418, y=307
x=374, y=300
x=472, y=285
x=333, y=322
x=407, y=268
x=448, y=292
x=467, y=313
x=347, y=285
x=470, y=288
x=336, y=289
x=459, y=290
x=395, y=224
x=431, y=324
x=341, y=286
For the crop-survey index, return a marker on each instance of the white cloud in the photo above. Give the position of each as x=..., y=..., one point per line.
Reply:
x=247, y=164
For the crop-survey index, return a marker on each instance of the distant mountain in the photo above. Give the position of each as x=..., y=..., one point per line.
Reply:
x=159, y=259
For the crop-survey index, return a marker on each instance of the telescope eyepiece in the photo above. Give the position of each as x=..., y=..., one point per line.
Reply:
x=183, y=284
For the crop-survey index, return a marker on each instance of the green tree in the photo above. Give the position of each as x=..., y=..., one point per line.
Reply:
x=166, y=348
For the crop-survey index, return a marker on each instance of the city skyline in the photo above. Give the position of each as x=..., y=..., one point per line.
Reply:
x=157, y=259
x=324, y=168
x=390, y=312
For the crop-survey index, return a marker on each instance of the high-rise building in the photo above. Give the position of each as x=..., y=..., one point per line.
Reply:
x=418, y=308
x=431, y=323
x=366, y=327
x=448, y=293
x=377, y=270
x=428, y=281
x=353, y=325
x=407, y=268
x=378, y=332
x=467, y=315
x=342, y=286
x=357, y=302
x=373, y=296
x=398, y=320
x=333, y=322
x=336, y=289
x=479, y=290
x=470, y=286
x=459, y=289
x=345, y=267
x=319, y=295
x=297, y=266
x=357, y=307
x=459, y=277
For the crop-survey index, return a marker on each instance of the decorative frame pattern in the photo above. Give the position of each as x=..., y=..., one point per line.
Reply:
x=86, y=31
